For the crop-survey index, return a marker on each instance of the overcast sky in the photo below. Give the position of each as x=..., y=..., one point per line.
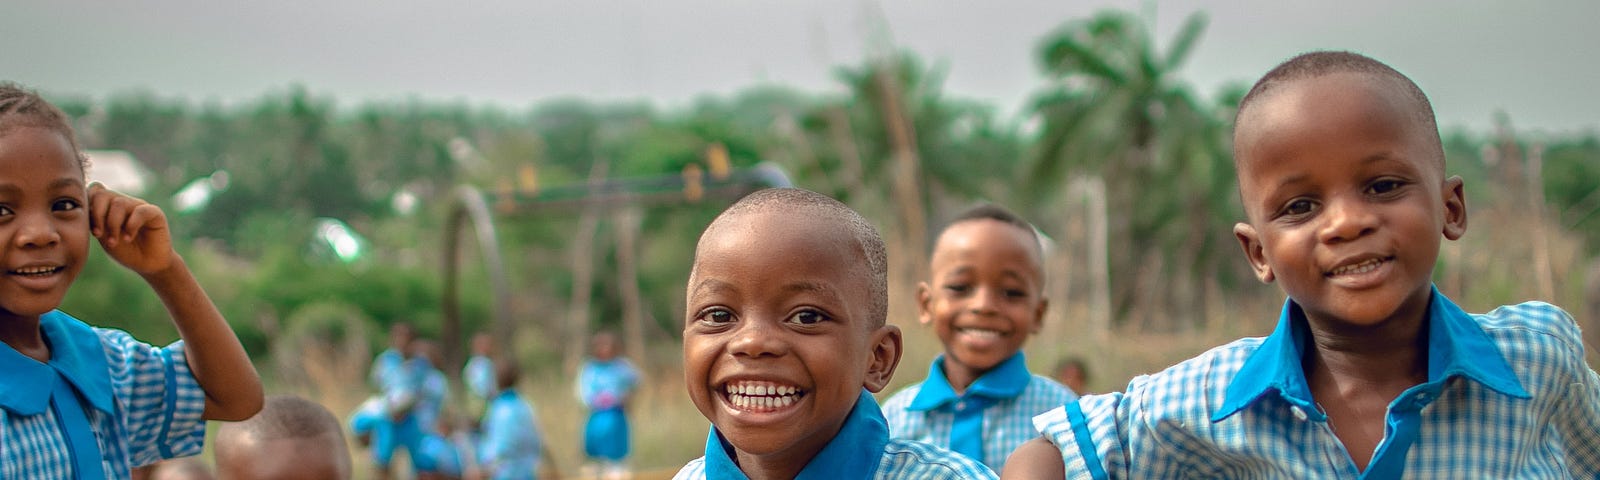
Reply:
x=1535, y=60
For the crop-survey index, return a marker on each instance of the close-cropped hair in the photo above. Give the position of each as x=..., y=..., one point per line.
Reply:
x=805, y=201
x=1322, y=63
x=289, y=417
x=21, y=107
x=989, y=211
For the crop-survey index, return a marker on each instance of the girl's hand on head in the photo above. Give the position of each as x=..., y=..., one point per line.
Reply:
x=132, y=231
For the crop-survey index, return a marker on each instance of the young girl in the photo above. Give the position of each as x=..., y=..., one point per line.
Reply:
x=604, y=384
x=80, y=401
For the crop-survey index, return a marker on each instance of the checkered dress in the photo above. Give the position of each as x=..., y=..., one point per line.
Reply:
x=157, y=414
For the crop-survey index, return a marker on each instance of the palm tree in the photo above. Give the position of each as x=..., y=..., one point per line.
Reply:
x=1114, y=109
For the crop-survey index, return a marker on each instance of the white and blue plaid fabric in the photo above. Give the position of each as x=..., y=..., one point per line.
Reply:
x=1508, y=396
x=150, y=409
x=1004, y=402
x=862, y=449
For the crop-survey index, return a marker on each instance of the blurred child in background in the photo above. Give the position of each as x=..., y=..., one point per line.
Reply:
x=511, y=440
x=605, y=383
x=291, y=439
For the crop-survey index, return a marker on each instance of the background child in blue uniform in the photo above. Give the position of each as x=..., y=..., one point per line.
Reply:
x=985, y=298
x=478, y=374
x=291, y=439
x=85, y=402
x=1371, y=372
x=785, y=339
x=511, y=439
x=605, y=383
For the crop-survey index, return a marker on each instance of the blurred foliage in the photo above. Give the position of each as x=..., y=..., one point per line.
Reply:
x=1111, y=105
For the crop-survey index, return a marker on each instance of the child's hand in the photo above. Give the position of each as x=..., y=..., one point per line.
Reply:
x=132, y=231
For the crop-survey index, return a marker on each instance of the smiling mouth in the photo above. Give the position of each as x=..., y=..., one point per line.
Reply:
x=980, y=333
x=1358, y=268
x=36, y=272
x=753, y=396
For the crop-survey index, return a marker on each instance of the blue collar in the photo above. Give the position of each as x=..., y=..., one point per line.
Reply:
x=75, y=353
x=1004, y=381
x=1456, y=347
x=854, y=452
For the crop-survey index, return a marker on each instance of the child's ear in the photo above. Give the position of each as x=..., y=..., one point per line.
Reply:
x=883, y=358
x=1253, y=251
x=1455, y=208
x=924, y=295
x=1038, y=314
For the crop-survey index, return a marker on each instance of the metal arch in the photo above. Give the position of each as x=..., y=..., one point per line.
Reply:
x=469, y=204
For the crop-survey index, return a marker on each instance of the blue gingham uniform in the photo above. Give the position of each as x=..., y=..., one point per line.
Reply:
x=862, y=449
x=602, y=385
x=511, y=444
x=479, y=377
x=140, y=403
x=1508, y=395
x=987, y=422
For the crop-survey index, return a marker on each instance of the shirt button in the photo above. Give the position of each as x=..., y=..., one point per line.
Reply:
x=962, y=405
x=1299, y=413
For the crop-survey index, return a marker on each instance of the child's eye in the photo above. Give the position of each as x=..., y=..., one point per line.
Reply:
x=65, y=204
x=1298, y=207
x=715, y=316
x=957, y=288
x=1384, y=186
x=1014, y=293
x=5, y=210
x=809, y=317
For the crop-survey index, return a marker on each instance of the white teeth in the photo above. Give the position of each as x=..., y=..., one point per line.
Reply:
x=1358, y=268
x=761, y=395
x=978, y=332
x=34, y=270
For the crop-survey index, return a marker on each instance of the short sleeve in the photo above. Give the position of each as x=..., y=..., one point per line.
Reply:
x=1089, y=434
x=1578, y=410
x=160, y=404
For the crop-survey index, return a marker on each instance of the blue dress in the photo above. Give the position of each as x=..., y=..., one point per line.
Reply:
x=603, y=385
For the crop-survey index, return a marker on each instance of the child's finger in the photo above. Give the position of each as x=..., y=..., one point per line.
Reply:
x=98, y=202
x=116, y=216
x=143, y=216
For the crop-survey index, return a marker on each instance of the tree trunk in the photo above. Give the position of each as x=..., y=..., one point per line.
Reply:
x=907, y=172
x=577, y=331
x=625, y=224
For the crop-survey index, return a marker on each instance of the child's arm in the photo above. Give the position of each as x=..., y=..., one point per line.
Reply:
x=1035, y=459
x=135, y=234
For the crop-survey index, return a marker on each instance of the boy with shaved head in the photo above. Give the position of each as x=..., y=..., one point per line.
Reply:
x=785, y=341
x=292, y=438
x=1371, y=372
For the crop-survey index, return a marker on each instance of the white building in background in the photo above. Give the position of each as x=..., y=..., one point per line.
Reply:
x=118, y=170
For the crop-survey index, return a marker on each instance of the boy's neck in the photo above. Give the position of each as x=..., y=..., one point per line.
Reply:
x=961, y=376
x=23, y=335
x=1392, y=352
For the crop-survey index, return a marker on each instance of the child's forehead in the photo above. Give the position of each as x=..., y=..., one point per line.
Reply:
x=1332, y=110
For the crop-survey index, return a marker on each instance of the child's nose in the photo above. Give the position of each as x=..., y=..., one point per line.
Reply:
x=985, y=300
x=1347, y=219
x=37, y=231
x=758, y=339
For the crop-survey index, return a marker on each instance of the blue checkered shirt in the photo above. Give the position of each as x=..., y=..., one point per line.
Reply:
x=993, y=416
x=862, y=449
x=1508, y=395
x=141, y=403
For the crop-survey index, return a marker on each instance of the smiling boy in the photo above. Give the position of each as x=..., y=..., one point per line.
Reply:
x=985, y=298
x=1371, y=372
x=784, y=341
